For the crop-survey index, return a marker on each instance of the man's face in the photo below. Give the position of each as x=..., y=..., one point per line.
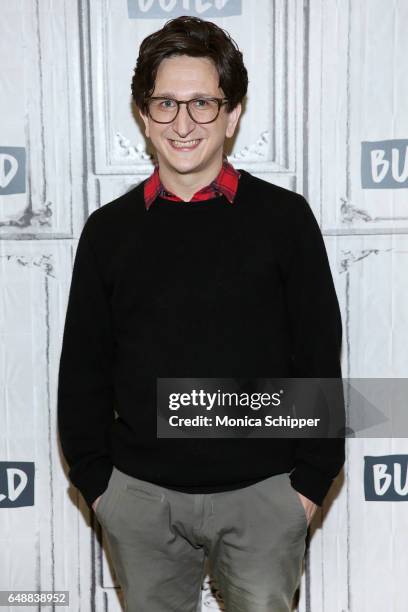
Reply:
x=182, y=78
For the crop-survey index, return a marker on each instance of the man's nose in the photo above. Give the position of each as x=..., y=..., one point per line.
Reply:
x=183, y=123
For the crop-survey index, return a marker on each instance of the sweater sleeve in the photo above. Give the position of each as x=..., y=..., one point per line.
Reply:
x=316, y=329
x=85, y=389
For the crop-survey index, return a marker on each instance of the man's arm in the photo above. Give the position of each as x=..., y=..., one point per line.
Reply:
x=316, y=327
x=85, y=389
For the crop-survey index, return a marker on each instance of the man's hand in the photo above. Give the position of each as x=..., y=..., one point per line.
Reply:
x=309, y=507
x=95, y=503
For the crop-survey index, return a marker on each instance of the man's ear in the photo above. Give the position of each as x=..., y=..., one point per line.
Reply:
x=145, y=120
x=233, y=117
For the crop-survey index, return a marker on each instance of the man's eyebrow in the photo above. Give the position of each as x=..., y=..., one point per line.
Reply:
x=194, y=94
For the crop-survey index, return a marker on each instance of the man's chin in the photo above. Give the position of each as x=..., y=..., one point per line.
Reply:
x=184, y=168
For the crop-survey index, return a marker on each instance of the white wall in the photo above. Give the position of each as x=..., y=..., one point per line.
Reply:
x=326, y=77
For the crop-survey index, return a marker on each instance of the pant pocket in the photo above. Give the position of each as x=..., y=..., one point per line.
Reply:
x=108, y=499
x=296, y=501
x=144, y=492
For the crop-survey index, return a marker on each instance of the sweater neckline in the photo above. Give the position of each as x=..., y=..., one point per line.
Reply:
x=212, y=204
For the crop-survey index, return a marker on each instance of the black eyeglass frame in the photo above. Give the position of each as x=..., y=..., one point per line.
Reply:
x=220, y=102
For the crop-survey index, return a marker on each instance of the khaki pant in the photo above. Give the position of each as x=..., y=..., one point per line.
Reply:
x=158, y=539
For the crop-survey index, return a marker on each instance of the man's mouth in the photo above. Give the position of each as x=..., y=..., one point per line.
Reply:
x=185, y=145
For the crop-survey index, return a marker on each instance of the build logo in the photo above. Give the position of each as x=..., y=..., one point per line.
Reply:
x=16, y=484
x=384, y=164
x=386, y=478
x=166, y=9
x=12, y=170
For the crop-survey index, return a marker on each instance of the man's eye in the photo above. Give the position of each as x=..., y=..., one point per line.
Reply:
x=168, y=103
x=201, y=103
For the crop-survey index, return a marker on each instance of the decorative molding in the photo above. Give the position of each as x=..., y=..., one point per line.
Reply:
x=258, y=151
x=50, y=92
x=350, y=213
x=36, y=261
x=254, y=152
x=278, y=149
x=40, y=218
x=349, y=257
x=124, y=150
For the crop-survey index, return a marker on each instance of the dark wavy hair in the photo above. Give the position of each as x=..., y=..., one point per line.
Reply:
x=195, y=37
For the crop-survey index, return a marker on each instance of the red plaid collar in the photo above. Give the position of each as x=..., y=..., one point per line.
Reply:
x=225, y=183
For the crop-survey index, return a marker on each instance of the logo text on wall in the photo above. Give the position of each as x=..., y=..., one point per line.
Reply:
x=384, y=164
x=12, y=170
x=164, y=9
x=386, y=478
x=16, y=484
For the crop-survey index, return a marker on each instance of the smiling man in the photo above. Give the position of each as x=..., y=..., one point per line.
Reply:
x=190, y=154
x=201, y=270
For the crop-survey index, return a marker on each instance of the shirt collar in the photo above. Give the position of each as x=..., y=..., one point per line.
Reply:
x=225, y=183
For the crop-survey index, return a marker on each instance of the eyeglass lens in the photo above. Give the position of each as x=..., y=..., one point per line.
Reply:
x=201, y=109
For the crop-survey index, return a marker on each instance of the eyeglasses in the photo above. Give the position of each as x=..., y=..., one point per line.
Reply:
x=201, y=110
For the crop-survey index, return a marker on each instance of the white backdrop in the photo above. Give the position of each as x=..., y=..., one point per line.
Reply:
x=326, y=116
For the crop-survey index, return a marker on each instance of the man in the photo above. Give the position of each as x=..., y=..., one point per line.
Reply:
x=201, y=270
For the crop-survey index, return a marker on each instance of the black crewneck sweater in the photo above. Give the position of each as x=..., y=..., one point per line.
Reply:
x=194, y=289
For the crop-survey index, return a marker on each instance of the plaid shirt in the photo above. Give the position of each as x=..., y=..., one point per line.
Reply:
x=225, y=183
